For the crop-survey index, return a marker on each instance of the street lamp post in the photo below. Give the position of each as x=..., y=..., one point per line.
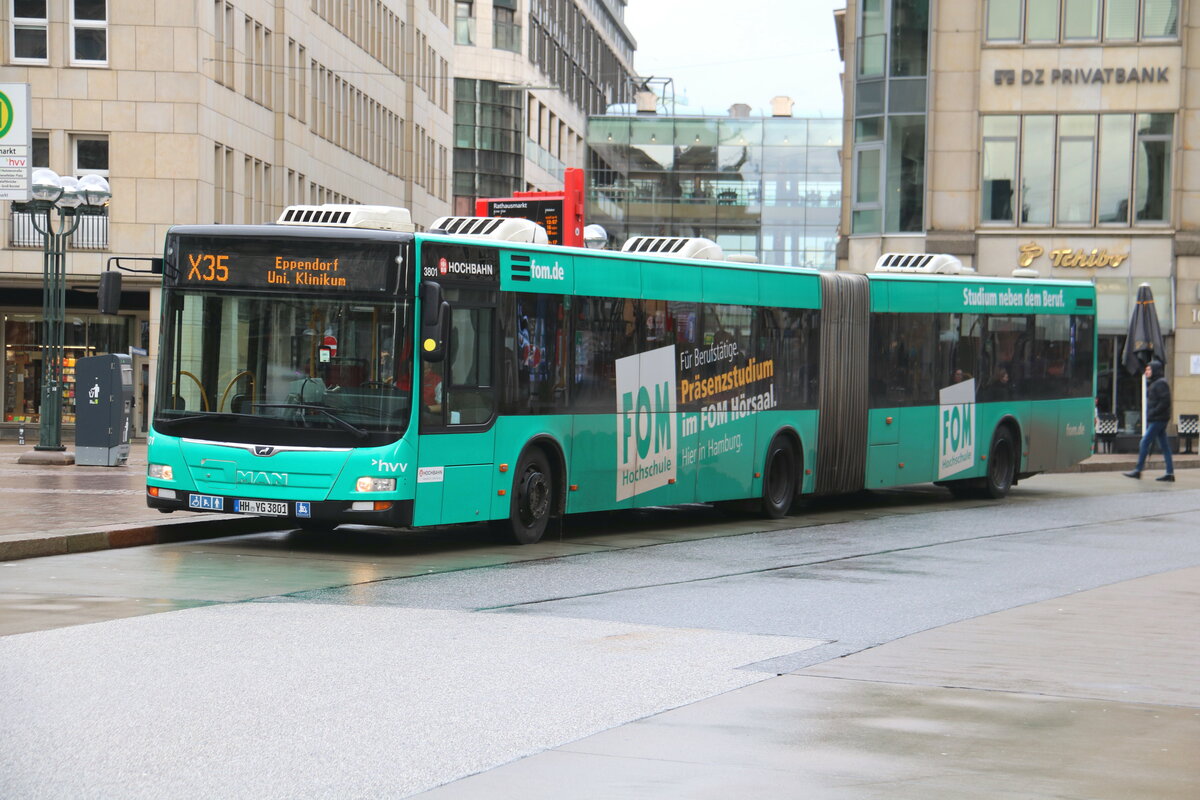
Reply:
x=56, y=209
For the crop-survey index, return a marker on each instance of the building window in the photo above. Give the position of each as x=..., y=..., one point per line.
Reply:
x=90, y=155
x=999, y=156
x=1081, y=19
x=867, y=180
x=41, y=151
x=1041, y=21
x=890, y=99
x=29, y=26
x=464, y=22
x=506, y=31
x=1153, y=171
x=89, y=32
x=872, y=44
x=1076, y=170
x=905, y=178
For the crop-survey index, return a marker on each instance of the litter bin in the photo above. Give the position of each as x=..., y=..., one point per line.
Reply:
x=103, y=410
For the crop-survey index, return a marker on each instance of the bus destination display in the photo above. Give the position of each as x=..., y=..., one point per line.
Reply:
x=300, y=266
x=547, y=213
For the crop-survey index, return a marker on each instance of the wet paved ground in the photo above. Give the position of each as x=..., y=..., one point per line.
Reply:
x=1087, y=696
x=356, y=692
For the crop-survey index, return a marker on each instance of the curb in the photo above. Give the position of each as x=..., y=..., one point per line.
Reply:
x=35, y=545
x=1153, y=464
x=57, y=544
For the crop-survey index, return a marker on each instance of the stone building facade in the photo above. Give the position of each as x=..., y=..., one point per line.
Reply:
x=1057, y=135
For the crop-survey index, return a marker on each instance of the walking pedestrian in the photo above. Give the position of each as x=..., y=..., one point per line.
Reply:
x=1158, y=414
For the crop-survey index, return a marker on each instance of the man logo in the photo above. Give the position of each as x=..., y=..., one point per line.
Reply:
x=263, y=450
x=443, y=266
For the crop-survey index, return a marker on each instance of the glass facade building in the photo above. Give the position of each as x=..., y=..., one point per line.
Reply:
x=889, y=117
x=764, y=187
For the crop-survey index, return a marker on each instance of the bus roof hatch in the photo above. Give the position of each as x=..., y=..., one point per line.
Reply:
x=509, y=229
x=380, y=218
x=921, y=264
x=678, y=246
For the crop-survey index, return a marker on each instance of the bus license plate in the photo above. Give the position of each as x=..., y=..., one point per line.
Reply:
x=263, y=507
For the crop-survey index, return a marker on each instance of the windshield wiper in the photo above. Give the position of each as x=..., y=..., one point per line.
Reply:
x=359, y=433
x=209, y=416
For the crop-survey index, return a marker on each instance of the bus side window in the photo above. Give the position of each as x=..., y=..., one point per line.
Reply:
x=468, y=394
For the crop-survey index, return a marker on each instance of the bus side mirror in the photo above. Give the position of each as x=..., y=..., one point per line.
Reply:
x=109, y=296
x=435, y=322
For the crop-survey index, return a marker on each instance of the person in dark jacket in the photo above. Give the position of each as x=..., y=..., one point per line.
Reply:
x=1158, y=414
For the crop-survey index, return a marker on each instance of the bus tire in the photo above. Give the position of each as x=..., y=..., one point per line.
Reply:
x=1002, y=465
x=779, y=478
x=532, y=497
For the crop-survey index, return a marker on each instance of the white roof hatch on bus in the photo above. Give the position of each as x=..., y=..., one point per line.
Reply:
x=921, y=264
x=339, y=215
x=507, y=229
x=675, y=246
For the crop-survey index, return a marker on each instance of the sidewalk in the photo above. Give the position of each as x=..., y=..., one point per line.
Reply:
x=51, y=510
x=1092, y=694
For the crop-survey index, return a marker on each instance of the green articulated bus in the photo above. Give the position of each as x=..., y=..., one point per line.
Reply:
x=340, y=367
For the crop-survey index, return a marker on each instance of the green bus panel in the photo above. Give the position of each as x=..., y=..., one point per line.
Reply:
x=805, y=423
x=607, y=277
x=1077, y=421
x=881, y=466
x=881, y=296
x=447, y=462
x=725, y=451
x=683, y=490
x=593, y=462
x=729, y=285
x=552, y=272
x=918, y=444
x=789, y=290
x=978, y=295
x=883, y=425
x=678, y=282
x=464, y=494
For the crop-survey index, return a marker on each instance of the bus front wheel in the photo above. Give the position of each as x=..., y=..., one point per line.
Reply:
x=779, y=479
x=532, y=497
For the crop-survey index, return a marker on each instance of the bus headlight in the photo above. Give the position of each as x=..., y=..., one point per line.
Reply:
x=161, y=471
x=366, y=484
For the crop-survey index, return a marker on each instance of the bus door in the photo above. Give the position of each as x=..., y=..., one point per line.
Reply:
x=456, y=410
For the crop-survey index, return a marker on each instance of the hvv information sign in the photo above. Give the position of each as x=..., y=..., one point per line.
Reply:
x=16, y=142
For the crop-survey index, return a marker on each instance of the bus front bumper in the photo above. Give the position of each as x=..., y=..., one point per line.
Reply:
x=397, y=514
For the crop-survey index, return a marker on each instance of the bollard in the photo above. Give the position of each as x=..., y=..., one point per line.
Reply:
x=21, y=435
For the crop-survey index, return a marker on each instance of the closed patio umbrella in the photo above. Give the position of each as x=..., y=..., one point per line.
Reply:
x=1144, y=341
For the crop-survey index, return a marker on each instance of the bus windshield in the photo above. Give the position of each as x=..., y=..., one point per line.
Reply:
x=253, y=368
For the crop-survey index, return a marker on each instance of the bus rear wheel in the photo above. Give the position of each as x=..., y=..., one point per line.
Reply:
x=779, y=479
x=1002, y=465
x=532, y=497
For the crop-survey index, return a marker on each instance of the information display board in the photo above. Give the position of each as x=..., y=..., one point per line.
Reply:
x=286, y=265
x=560, y=213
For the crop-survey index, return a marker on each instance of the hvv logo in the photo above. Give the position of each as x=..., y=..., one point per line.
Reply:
x=956, y=428
x=645, y=421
